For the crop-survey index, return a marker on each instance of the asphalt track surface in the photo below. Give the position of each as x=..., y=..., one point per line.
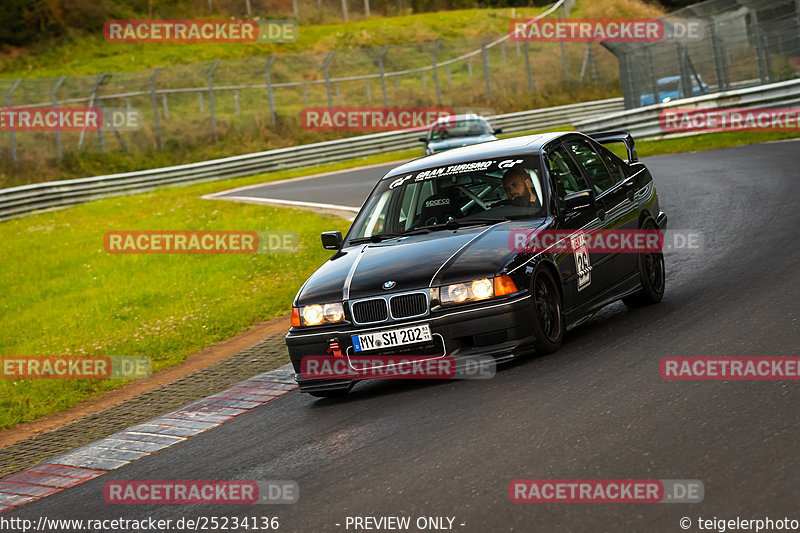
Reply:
x=596, y=409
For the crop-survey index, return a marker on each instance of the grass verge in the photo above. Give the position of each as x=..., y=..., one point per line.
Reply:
x=64, y=295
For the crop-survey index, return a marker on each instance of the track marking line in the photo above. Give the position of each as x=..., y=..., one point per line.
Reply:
x=141, y=440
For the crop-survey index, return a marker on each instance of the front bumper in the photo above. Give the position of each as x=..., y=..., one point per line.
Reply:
x=500, y=328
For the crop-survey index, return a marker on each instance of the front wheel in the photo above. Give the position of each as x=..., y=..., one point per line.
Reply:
x=548, y=323
x=652, y=277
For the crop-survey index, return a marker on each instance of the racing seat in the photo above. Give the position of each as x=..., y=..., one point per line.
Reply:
x=439, y=208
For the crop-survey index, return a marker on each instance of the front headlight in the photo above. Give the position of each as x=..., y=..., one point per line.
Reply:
x=473, y=291
x=314, y=315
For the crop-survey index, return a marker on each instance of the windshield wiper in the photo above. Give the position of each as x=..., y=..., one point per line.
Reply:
x=460, y=222
x=376, y=237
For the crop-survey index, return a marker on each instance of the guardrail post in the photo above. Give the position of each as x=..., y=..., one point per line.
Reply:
x=11, y=132
x=424, y=81
x=447, y=71
x=164, y=104
x=531, y=86
x=295, y=10
x=271, y=95
x=200, y=101
x=97, y=83
x=369, y=93
x=485, y=54
x=503, y=51
x=469, y=66
x=247, y=6
x=59, y=150
x=210, y=76
x=321, y=12
x=305, y=94
x=344, y=10
x=383, y=75
x=210, y=7
x=327, y=75
x=236, y=102
x=366, y=8
x=436, y=72
x=154, y=103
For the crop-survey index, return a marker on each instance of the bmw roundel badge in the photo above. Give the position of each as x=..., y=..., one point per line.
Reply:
x=389, y=284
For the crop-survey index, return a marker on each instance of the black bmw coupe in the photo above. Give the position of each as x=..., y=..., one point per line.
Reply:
x=431, y=265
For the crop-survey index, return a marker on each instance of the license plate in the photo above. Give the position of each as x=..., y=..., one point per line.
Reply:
x=392, y=337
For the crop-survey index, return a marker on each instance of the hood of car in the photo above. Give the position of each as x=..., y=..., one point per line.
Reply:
x=456, y=142
x=414, y=262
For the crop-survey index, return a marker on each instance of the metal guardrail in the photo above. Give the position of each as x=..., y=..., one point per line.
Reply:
x=25, y=199
x=644, y=121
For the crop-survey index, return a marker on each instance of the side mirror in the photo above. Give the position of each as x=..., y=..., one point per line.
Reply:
x=498, y=130
x=579, y=200
x=423, y=139
x=332, y=240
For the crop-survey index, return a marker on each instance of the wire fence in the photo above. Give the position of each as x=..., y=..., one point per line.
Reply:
x=187, y=105
x=742, y=42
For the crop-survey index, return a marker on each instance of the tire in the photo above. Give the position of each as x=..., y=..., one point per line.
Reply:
x=652, y=276
x=548, y=320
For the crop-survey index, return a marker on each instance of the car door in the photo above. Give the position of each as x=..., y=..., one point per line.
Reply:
x=577, y=267
x=615, y=209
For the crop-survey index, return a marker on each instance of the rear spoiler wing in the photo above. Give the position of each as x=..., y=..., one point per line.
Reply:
x=607, y=137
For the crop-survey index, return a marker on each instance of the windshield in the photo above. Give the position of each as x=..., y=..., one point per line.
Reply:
x=460, y=128
x=669, y=86
x=476, y=193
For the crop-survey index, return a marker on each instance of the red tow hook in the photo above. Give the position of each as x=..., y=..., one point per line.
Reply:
x=334, y=348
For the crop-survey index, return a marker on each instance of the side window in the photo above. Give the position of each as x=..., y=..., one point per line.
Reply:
x=567, y=177
x=591, y=161
x=612, y=165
